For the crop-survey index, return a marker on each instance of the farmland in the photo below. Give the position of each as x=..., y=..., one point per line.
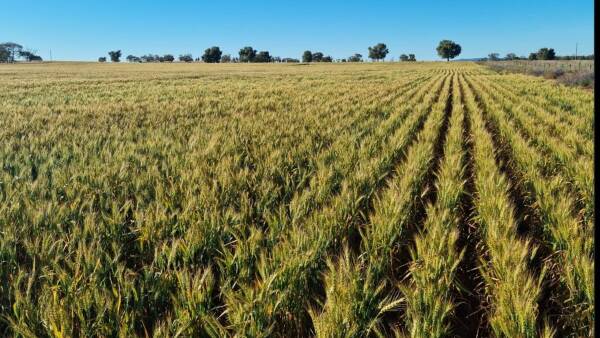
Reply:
x=331, y=200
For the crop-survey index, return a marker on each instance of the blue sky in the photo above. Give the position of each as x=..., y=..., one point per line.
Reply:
x=84, y=30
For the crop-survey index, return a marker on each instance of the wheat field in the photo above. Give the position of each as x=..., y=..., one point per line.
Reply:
x=425, y=199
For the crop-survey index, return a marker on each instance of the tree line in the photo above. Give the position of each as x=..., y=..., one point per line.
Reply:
x=446, y=49
x=248, y=54
x=12, y=51
x=541, y=54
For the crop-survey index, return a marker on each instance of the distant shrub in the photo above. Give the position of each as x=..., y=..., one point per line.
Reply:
x=553, y=73
x=535, y=71
x=168, y=58
x=186, y=58
x=584, y=79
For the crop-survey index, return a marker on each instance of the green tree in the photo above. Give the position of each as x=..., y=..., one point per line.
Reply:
x=532, y=56
x=263, y=56
x=411, y=57
x=212, y=55
x=511, y=56
x=355, y=58
x=168, y=58
x=115, y=55
x=225, y=58
x=247, y=54
x=150, y=58
x=102, y=59
x=317, y=57
x=12, y=50
x=307, y=56
x=493, y=56
x=133, y=58
x=4, y=54
x=327, y=59
x=546, y=54
x=378, y=52
x=403, y=57
x=448, y=49
x=186, y=58
x=29, y=55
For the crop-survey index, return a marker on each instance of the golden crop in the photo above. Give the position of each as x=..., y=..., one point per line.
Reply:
x=336, y=200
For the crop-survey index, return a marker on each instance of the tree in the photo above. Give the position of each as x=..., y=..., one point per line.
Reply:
x=263, y=56
x=403, y=57
x=247, y=54
x=411, y=57
x=290, y=60
x=150, y=58
x=102, y=59
x=511, y=56
x=546, y=54
x=532, y=56
x=307, y=56
x=378, y=52
x=168, y=58
x=355, y=58
x=12, y=50
x=448, y=49
x=132, y=58
x=493, y=56
x=29, y=55
x=226, y=58
x=327, y=59
x=115, y=55
x=4, y=54
x=212, y=55
x=186, y=58
x=317, y=57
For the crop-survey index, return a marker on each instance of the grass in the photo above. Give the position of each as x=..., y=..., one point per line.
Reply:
x=568, y=72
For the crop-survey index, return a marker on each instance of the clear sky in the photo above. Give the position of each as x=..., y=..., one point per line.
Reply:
x=85, y=30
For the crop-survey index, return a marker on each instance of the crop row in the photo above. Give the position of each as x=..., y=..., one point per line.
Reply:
x=568, y=238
